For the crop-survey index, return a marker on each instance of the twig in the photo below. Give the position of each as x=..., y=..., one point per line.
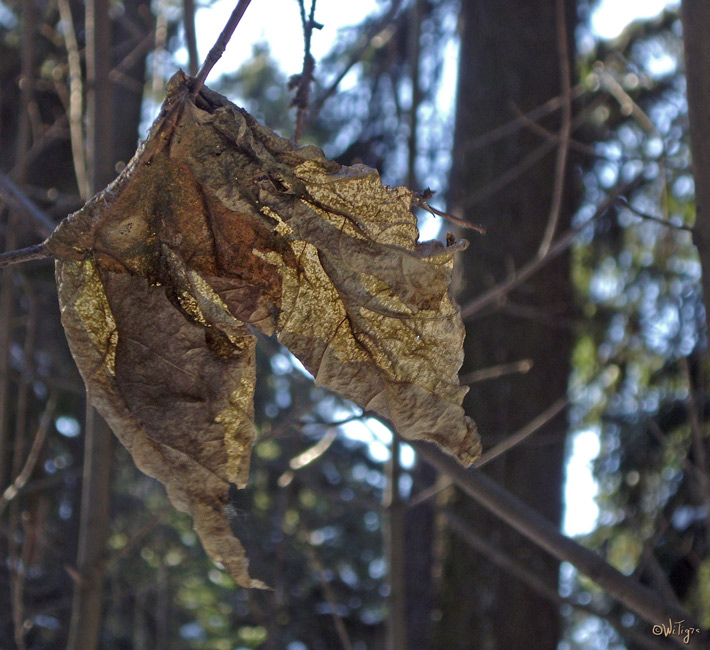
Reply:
x=531, y=427
x=622, y=201
x=329, y=595
x=502, y=289
x=302, y=81
x=40, y=436
x=215, y=54
x=373, y=32
x=500, y=370
x=500, y=132
x=510, y=442
x=314, y=452
x=420, y=202
x=575, y=145
x=515, y=567
x=565, y=130
x=43, y=225
x=188, y=13
x=36, y=252
x=76, y=109
x=507, y=177
x=637, y=597
x=161, y=37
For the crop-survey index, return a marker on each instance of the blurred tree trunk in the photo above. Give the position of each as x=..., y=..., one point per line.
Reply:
x=696, y=40
x=508, y=62
x=112, y=117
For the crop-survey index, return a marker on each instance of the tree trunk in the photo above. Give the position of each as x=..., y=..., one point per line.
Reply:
x=112, y=119
x=508, y=62
x=696, y=40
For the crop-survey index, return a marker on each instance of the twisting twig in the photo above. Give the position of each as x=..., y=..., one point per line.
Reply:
x=302, y=81
x=420, y=201
x=215, y=54
x=37, y=252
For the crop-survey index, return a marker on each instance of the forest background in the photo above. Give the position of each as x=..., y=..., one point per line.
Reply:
x=584, y=312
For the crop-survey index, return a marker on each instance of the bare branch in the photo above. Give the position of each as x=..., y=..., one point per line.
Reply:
x=500, y=370
x=40, y=436
x=367, y=40
x=302, y=81
x=644, y=215
x=531, y=427
x=21, y=255
x=327, y=590
x=500, y=132
x=638, y=598
x=565, y=130
x=76, y=108
x=190, y=35
x=43, y=225
x=518, y=570
x=501, y=290
x=215, y=54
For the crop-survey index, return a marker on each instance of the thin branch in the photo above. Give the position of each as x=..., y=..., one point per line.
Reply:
x=188, y=14
x=302, y=81
x=315, y=452
x=531, y=427
x=501, y=290
x=367, y=42
x=76, y=108
x=517, y=123
x=40, y=436
x=161, y=37
x=327, y=590
x=37, y=252
x=514, y=567
x=43, y=225
x=494, y=372
x=575, y=145
x=419, y=201
x=637, y=597
x=215, y=54
x=507, y=177
x=565, y=130
x=644, y=215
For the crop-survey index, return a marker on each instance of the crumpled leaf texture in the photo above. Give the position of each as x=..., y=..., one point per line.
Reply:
x=218, y=225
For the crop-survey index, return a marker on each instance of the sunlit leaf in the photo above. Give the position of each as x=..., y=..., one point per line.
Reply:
x=216, y=226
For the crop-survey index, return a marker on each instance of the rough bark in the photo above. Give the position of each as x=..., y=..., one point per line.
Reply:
x=509, y=61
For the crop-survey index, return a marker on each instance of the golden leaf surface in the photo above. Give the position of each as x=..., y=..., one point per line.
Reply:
x=218, y=225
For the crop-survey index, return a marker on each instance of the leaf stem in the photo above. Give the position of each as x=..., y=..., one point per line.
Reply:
x=37, y=252
x=215, y=54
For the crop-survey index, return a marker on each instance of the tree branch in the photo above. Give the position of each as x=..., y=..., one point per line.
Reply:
x=215, y=54
x=37, y=252
x=515, y=513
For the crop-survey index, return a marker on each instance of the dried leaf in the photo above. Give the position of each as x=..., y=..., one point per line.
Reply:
x=218, y=225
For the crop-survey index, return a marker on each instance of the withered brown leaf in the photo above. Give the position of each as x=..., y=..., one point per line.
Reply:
x=218, y=225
